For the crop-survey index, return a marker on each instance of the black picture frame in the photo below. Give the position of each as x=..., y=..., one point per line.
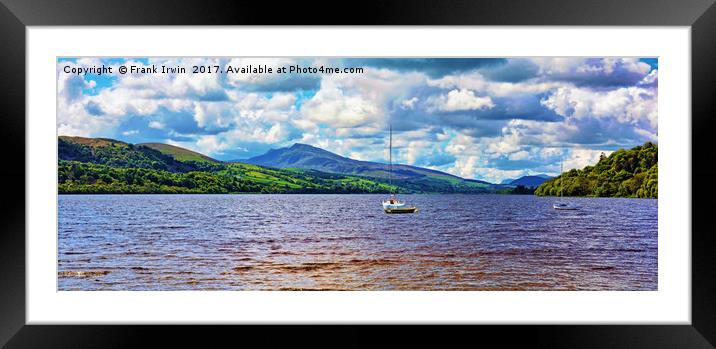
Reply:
x=16, y=15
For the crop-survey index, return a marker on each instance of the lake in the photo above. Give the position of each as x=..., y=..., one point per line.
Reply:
x=346, y=242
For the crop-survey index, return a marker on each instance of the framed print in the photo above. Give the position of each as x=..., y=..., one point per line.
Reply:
x=473, y=164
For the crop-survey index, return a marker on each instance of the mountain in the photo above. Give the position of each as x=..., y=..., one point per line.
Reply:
x=303, y=156
x=530, y=181
x=624, y=173
x=310, y=157
x=106, y=166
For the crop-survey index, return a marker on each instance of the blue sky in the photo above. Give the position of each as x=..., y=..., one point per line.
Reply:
x=483, y=118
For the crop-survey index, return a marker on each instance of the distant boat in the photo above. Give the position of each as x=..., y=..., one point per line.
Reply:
x=393, y=205
x=562, y=205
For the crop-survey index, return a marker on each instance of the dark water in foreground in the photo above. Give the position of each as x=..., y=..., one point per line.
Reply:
x=346, y=242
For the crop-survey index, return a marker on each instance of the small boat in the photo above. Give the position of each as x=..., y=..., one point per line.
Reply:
x=562, y=205
x=411, y=209
x=393, y=205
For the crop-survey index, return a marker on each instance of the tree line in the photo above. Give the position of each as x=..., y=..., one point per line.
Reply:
x=624, y=173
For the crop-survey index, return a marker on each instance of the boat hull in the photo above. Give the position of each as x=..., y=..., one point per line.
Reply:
x=401, y=210
x=564, y=208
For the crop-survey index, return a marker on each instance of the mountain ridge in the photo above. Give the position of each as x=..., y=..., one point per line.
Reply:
x=294, y=156
x=308, y=157
x=103, y=165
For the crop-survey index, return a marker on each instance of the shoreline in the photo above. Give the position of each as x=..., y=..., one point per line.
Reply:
x=430, y=194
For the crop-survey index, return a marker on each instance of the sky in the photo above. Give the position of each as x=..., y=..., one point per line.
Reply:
x=478, y=118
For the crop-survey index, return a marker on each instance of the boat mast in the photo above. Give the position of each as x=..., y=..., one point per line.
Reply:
x=390, y=156
x=561, y=177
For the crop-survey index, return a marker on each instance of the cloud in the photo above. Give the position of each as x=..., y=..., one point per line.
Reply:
x=357, y=106
x=156, y=125
x=593, y=72
x=579, y=158
x=465, y=167
x=461, y=100
x=626, y=105
x=409, y=103
x=514, y=70
x=433, y=67
x=271, y=82
x=336, y=109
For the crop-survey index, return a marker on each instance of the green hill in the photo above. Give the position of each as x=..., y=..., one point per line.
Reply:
x=179, y=153
x=115, y=153
x=103, y=166
x=624, y=173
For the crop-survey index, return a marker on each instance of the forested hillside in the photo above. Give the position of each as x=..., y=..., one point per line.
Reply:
x=624, y=173
x=103, y=166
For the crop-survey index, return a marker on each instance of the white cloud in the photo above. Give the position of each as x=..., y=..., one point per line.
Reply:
x=465, y=167
x=628, y=105
x=474, y=81
x=409, y=103
x=494, y=175
x=460, y=100
x=332, y=107
x=519, y=155
x=579, y=158
x=156, y=125
x=357, y=104
x=651, y=78
x=463, y=144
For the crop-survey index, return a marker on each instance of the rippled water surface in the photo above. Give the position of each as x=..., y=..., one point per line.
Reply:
x=346, y=242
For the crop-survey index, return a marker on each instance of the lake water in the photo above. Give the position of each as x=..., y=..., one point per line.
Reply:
x=346, y=242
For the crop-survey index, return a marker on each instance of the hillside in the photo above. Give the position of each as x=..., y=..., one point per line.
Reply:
x=412, y=178
x=624, y=173
x=101, y=166
x=179, y=153
x=124, y=155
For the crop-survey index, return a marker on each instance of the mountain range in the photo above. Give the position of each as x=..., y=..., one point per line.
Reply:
x=101, y=165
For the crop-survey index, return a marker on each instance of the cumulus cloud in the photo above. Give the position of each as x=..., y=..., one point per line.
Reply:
x=627, y=105
x=579, y=158
x=461, y=100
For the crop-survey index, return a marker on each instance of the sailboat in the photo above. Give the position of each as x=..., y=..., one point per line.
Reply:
x=562, y=205
x=393, y=205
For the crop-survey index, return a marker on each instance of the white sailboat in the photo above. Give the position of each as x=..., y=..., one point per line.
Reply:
x=393, y=205
x=562, y=205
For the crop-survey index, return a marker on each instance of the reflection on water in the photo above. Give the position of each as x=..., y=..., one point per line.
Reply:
x=346, y=242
